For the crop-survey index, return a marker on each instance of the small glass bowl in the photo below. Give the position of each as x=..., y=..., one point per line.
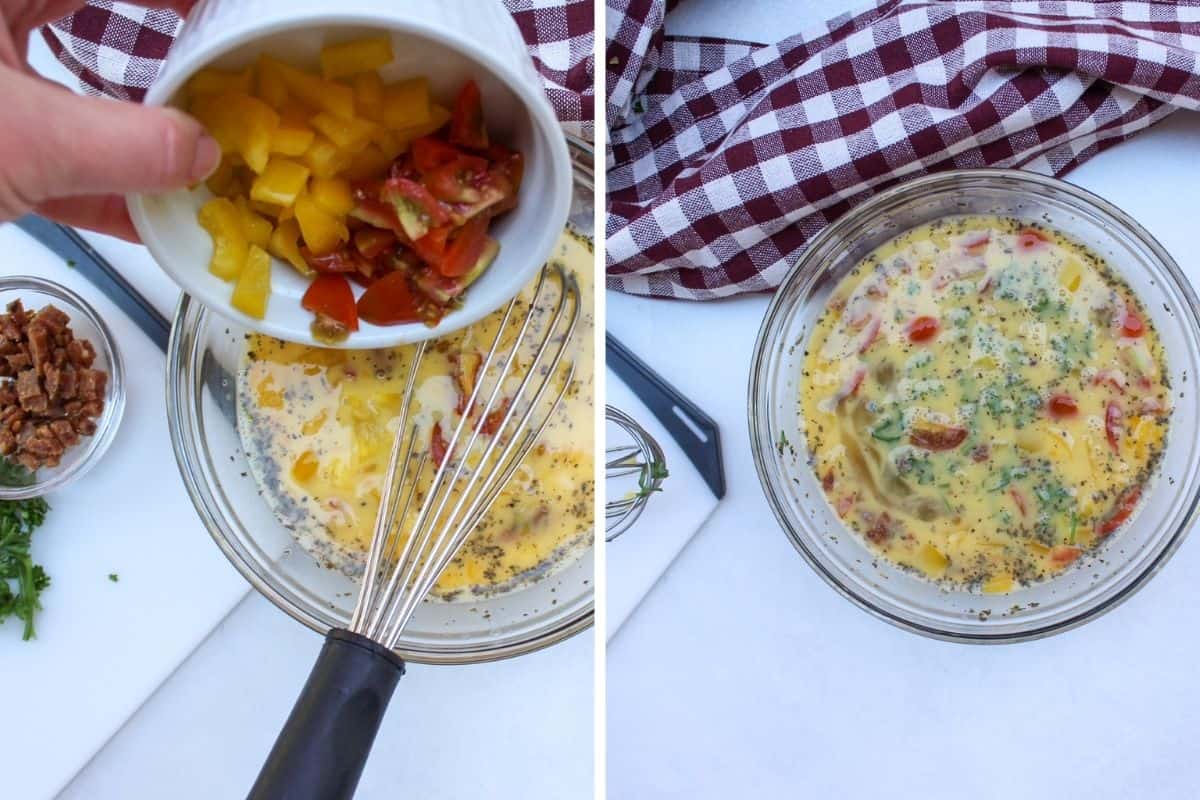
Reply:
x=202, y=362
x=35, y=293
x=1094, y=584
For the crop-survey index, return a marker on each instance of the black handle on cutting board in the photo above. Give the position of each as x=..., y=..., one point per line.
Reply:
x=321, y=751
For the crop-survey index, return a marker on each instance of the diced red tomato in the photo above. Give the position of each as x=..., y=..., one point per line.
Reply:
x=922, y=329
x=432, y=246
x=439, y=450
x=1061, y=406
x=944, y=437
x=1114, y=421
x=465, y=248
x=430, y=153
x=339, y=261
x=416, y=208
x=1121, y=511
x=1031, y=239
x=389, y=301
x=466, y=121
x=1019, y=499
x=332, y=296
x=1132, y=325
x=871, y=335
x=456, y=181
x=1063, y=554
x=373, y=242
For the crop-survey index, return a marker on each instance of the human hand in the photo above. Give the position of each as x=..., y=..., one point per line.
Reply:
x=71, y=157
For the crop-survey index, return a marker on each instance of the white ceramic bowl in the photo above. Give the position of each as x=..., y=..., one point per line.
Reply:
x=448, y=41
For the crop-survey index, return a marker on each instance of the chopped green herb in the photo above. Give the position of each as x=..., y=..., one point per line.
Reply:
x=114, y=577
x=21, y=580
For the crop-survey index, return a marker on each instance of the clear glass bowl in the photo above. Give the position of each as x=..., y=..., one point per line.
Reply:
x=87, y=324
x=202, y=362
x=1094, y=584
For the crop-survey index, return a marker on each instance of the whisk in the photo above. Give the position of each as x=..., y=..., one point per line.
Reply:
x=321, y=751
x=642, y=457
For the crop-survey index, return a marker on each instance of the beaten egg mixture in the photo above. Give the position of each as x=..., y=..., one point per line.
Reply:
x=983, y=401
x=318, y=425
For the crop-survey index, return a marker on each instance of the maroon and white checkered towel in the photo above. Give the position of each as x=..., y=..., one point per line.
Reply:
x=118, y=48
x=727, y=157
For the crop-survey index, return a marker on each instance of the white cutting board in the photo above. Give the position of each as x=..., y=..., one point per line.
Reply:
x=104, y=647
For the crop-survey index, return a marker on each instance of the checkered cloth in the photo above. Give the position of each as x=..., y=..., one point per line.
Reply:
x=117, y=49
x=726, y=157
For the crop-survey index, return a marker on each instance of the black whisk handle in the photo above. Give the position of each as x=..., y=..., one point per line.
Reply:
x=321, y=751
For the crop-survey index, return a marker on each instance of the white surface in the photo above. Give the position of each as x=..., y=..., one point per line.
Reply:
x=465, y=39
x=742, y=668
x=669, y=520
x=515, y=729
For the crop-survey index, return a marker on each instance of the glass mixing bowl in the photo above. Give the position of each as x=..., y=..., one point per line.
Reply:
x=1097, y=582
x=202, y=362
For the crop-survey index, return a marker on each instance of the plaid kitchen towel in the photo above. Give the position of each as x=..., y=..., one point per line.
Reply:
x=727, y=157
x=117, y=49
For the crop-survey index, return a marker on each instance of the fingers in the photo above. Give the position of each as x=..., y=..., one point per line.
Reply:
x=101, y=213
x=65, y=145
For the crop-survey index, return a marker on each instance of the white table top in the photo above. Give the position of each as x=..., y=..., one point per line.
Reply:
x=742, y=668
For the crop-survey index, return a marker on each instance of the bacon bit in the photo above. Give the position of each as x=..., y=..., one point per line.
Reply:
x=980, y=454
x=492, y=423
x=1061, y=406
x=439, y=451
x=1063, y=554
x=1031, y=239
x=1144, y=382
x=878, y=289
x=871, y=335
x=827, y=481
x=1113, y=377
x=1114, y=421
x=1152, y=405
x=881, y=531
x=1019, y=499
x=1121, y=511
x=858, y=314
x=984, y=285
x=844, y=504
x=850, y=386
x=975, y=243
x=945, y=437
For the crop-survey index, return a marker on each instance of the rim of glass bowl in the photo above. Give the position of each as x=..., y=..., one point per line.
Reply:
x=795, y=291
x=114, y=404
x=187, y=438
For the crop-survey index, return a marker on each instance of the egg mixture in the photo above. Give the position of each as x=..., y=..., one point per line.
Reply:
x=984, y=401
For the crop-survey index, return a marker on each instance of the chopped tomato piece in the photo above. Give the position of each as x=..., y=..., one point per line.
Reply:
x=439, y=450
x=1031, y=239
x=432, y=246
x=430, y=153
x=1132, y=325
x=945, y=437
x=922, y=329
x=465, y=249
x=1063, y=554
x=455, y=182
x=332, y=296
x=416, y=208
x=1019, y=499
x=341, y=260
x=1061, y=406
x=1121, y=511
x=1114, y=420
x=374, y=242
x=389, y=301
x=466, y=121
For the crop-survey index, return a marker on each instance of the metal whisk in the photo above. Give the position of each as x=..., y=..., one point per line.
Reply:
x=418, y=530
x=633, y=471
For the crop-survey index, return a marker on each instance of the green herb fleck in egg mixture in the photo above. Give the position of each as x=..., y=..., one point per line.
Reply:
x=984, y=401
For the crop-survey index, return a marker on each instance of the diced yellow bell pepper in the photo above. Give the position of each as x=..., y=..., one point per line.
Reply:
x=285, y=245
x=333, y=195
x=221, y=219
x=213, y=112
x=223, y=182
x=325, y=159
x=438, y=116
x=254, y=284
x=305, y=466
x=291, y=139
x=350, y=135
x=390, y=143
x=255, y=124
x=280, y=183
x=932, y=561
x=1001, y=583
x=406, y=103
x=271, y=86
x=286, y=213
x=368, y=95
x=315, y=91
x=360, y=55
x=218, y=81
x=370, y=162
x=322, y=232
x=256, y=227
x=267, y=209
x=296, y=114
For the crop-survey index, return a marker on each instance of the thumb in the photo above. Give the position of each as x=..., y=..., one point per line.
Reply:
x=59, y=144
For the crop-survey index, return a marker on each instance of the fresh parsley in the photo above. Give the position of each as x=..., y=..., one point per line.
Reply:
x=21, y=580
